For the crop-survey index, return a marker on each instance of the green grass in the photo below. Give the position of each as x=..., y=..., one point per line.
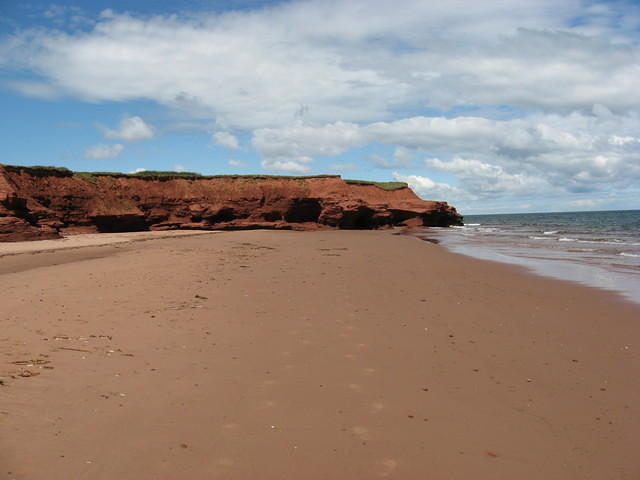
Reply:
x=147, y=174
x=271, y=177
x=382, y=185
x=155, y=174
x=40, y=170
x=158, y=173
x=92, y=177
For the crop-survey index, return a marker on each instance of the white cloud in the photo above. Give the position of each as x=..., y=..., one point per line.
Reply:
x=327, y=140
x=179, y=168
x=429, y=189
x=103, y=152
x=484, y=180
x=586, y=202
x=527, y=156
x=226, y=140
x=312, y=53
x=291, y=148
x=291, y=165
x=138, y=170
x=616, y=140
x=461, y=134
x=131, y=129
x=235, y=163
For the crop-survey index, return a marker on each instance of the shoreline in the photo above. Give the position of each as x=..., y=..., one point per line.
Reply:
x=539, y=262
x=329, y=354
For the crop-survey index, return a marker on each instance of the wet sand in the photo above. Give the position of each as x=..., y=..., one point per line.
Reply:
x=311, y=355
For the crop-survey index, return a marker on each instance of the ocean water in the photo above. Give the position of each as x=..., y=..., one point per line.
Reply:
x=599, y=249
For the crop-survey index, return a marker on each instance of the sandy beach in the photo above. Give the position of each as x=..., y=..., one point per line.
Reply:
x=308, y=355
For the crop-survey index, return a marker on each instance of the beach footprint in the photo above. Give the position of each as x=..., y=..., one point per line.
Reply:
x=386, y=467
x=362, y=433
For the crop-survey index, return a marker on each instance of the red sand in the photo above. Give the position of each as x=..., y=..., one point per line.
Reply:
x=309, y=355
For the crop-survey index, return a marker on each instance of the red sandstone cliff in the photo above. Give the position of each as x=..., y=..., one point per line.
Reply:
x=38, y=203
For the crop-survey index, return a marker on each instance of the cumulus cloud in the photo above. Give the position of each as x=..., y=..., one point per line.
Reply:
x=103, y=152
x=485, y=180
x=326, y=140
x=286, y=164
x=553, y=153
x=130, y=129
x=525, y=54
x=226, y=140
x=429, y=189
x=291, y=148
x=461, y=134
x=235, y=163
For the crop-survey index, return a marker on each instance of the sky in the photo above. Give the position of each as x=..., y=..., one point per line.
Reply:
x=495, y=106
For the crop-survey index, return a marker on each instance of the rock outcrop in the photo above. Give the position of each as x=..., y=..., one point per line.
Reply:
x=43, y=202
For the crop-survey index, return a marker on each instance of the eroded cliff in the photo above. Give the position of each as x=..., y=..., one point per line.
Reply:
x=43, y=202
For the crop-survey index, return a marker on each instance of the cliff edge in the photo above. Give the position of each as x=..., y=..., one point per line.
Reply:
x=39, y=203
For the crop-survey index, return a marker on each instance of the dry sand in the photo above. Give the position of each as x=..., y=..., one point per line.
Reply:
x=92, y=240
x=309, y=355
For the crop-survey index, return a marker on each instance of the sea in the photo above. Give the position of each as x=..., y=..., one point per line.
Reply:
x=598, y=249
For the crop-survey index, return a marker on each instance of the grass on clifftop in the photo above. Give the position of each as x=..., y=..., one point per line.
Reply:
x=382, y=185
x=40, y=170
x=151, y=174
x=168, y=175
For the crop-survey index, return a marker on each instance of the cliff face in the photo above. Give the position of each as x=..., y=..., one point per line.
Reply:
x=40, y=203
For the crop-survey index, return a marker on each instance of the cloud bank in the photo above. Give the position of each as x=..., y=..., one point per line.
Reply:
x=490, y=158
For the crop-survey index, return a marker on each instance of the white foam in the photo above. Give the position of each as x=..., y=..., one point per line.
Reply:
x=550, y=232
x=541, y=238
x=625, y=254
x=473, y=224
x=565, y=239
x=614, y=241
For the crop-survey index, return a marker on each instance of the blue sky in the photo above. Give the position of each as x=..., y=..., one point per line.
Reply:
x=492, y=106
